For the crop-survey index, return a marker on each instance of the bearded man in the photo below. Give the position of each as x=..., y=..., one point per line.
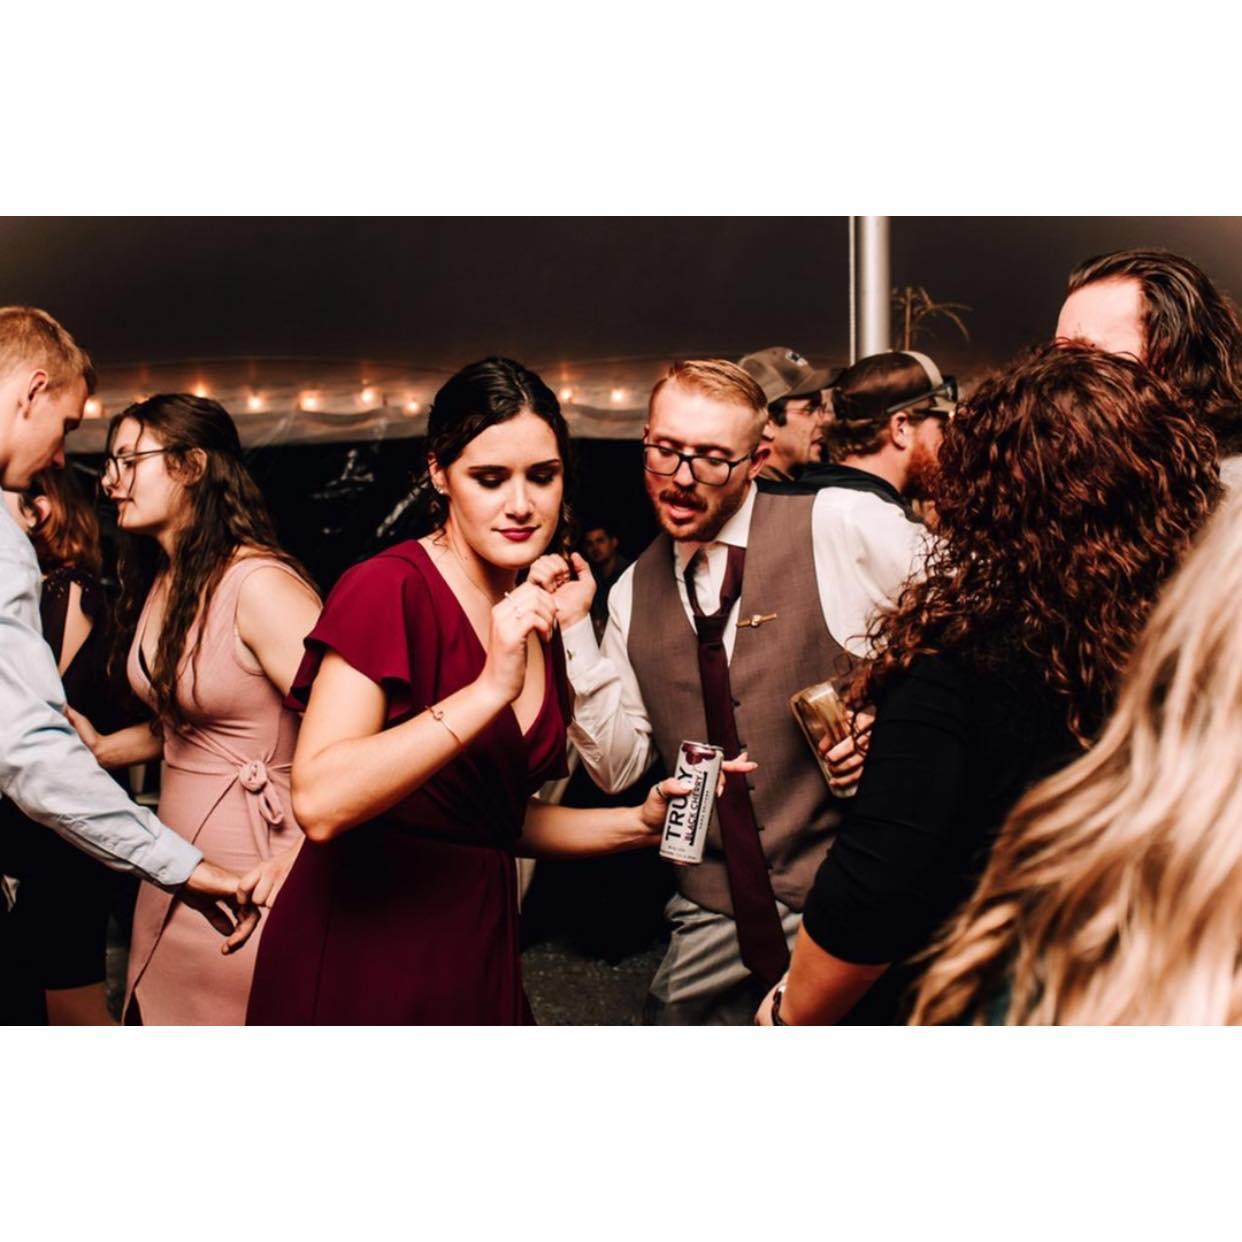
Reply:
x=735, y=606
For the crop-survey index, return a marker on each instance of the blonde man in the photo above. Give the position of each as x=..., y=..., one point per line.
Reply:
x=724, y=616
x=45, y=379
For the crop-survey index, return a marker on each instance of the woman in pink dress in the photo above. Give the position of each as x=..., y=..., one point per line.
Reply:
x=435, y=706
x=212, y=616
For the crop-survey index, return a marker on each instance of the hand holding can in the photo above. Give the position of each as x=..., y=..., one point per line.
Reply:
x=828, y=726
x=701, y=769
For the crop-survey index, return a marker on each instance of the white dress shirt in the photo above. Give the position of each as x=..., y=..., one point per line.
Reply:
x=44, y=766
x=865, y=549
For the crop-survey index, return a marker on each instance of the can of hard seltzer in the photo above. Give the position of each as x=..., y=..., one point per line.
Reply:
x=685, y=823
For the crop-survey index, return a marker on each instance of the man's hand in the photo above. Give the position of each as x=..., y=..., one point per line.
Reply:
x=86, y=731
x=260, y=885
x=846, y=758
x=573, y=596
x=212, y=891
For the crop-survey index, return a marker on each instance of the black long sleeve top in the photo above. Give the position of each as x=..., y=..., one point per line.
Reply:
x=954, y=747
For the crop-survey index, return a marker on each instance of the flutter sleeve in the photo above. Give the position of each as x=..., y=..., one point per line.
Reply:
x=380, y=619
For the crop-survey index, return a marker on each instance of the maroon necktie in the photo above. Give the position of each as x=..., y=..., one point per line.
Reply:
x=764, y=951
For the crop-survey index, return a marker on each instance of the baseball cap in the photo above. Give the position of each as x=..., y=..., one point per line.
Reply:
x=875, y=388
x=942, y=389
x=783, y=372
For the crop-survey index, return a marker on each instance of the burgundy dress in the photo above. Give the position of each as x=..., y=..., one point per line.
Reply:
x=412, y=918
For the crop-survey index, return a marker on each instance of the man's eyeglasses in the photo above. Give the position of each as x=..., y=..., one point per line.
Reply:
x=117, y=465
x=947, y=385
x=713, y=471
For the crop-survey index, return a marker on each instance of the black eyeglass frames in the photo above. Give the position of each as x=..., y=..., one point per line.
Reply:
x=712, y=471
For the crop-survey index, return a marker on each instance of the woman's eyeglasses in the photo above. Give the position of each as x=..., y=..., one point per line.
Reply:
x=120, y=465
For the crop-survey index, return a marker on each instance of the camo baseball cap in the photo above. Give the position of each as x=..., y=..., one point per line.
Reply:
x=783, y=372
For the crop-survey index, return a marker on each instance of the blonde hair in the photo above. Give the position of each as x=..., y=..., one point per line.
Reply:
x=1114, y=891
x=724, y=381
x=31, y=336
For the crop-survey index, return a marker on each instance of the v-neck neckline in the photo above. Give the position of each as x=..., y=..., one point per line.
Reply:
x=526, y=734
x=144, y=624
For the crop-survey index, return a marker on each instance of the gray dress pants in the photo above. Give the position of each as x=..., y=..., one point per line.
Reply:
x=701, y=981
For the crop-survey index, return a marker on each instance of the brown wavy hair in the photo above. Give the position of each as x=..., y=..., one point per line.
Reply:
x=69, y=535
x=1070, y=487
x=1114, y=891
x=1191, y=332
x=227, y=515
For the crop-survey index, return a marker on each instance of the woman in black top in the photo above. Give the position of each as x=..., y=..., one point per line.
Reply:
x=1069, y=489
x=59, y=920
x=1113, y=894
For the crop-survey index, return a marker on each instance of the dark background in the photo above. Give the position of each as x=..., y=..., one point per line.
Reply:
x=440, y=292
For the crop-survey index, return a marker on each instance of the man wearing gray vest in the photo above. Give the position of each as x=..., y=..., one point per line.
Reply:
x=722, y=618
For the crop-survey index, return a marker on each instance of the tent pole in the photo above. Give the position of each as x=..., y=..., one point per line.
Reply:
x=853, y=298
x=869, y=239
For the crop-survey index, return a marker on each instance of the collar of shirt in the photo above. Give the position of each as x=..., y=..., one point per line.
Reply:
x=710, y=569
x=736, y=532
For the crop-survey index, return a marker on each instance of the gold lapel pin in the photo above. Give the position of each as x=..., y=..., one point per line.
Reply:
x=756, y=619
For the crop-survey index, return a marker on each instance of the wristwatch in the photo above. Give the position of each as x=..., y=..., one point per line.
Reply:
x=777, y=1020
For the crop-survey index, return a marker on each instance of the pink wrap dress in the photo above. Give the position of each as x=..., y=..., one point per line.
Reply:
x=225, y=788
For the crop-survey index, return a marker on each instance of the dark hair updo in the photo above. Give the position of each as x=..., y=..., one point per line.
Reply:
x=483, y=395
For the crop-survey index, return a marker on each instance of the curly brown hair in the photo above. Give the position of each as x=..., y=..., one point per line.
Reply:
x=228, y=517
x=1070, y=487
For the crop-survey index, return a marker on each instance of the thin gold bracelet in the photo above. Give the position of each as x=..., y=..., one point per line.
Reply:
x=437, y=713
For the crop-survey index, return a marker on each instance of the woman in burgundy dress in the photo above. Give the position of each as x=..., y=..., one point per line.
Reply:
x=435, y=706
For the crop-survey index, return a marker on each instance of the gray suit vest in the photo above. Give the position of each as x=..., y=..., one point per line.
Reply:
x=796, y=813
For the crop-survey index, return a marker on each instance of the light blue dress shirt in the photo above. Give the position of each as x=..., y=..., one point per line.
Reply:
x=44, y=766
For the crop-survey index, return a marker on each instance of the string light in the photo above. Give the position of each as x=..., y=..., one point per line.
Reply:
x=93, y=408
x=200, y=390
x=309, y=401
x=618, y=395
x=567, y=394
x=369, y=398
x=254, y=403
